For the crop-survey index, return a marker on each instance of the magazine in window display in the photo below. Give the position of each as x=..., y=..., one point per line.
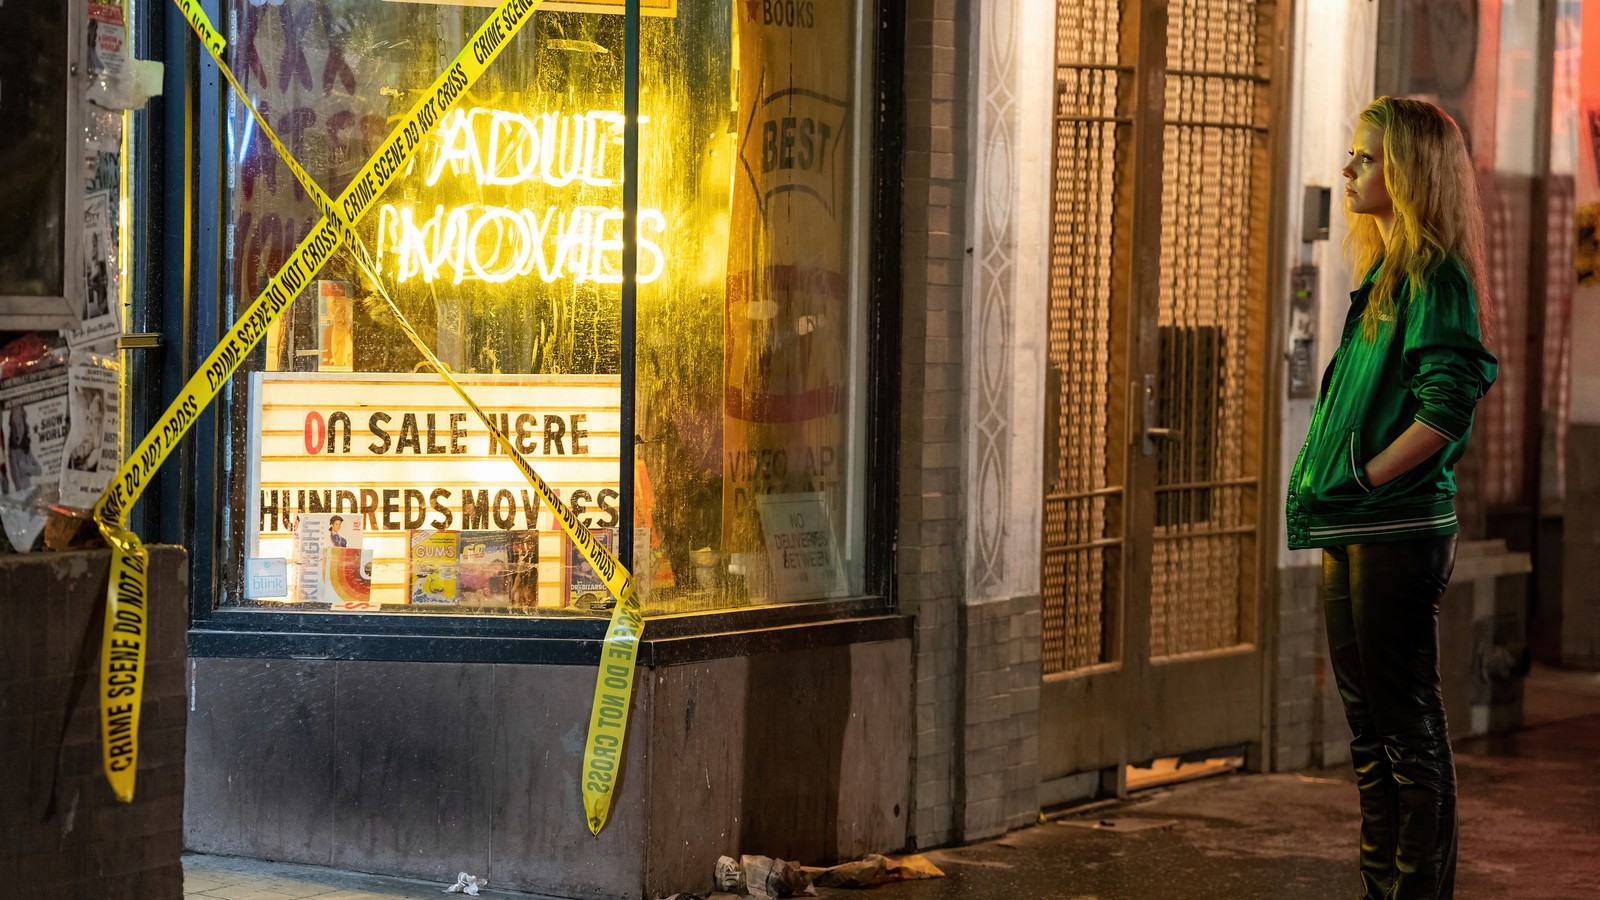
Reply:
x=489, y=565
x=524, y=552
x=585, y=588
x=293, y=340
x=431, y=568
x=304, y=350
x=91, y=447
x=347, y=578
x=319, y=540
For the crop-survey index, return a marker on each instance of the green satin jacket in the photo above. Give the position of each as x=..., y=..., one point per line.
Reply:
x=1428, y=366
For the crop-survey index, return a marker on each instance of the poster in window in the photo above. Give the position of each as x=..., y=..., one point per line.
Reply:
x=788, y=255
x=335, y=315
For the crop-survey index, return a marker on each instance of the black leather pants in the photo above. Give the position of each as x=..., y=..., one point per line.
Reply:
x=1381, y=602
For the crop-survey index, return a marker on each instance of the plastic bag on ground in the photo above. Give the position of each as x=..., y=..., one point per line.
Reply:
x=467, y=884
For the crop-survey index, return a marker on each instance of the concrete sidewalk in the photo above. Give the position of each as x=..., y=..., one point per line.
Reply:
x=1530, y=809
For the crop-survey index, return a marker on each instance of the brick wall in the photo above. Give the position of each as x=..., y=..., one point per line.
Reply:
x=932, y=399
x=999, y=787
x=1308, y=724
x=91, y=846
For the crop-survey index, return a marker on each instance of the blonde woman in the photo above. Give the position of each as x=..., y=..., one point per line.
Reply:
x=1374, y=483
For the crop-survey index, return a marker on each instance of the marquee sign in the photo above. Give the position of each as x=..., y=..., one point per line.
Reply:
x=401, y=452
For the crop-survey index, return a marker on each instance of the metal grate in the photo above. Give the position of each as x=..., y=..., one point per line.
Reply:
x=1088, y=32
x=1211, y=316
x=1083, y=497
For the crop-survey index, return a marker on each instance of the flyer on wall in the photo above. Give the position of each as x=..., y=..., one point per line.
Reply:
x=106, y=33
x=114, y=83
x=33, y=421
x=99, y=313
x=91, y=447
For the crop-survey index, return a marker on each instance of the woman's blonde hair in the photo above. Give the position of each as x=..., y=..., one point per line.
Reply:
x=1431, y=183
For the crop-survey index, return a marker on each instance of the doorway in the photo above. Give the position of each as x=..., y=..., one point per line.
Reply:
x=1153, y=554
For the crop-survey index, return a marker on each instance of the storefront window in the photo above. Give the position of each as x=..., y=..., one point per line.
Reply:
x=367, y=486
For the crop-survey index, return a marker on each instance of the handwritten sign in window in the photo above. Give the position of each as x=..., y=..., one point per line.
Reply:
x=802, y=556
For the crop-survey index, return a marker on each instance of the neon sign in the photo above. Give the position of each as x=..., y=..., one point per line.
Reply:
x=495, y=244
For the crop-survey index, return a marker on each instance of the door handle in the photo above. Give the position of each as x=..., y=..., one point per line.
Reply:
x=1149, y=432
x=144, y=340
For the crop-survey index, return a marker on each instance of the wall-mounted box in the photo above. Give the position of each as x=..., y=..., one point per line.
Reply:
x=1315, y=213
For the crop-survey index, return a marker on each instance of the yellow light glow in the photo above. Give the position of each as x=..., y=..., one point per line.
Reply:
x=502, y=148
x=495, y=244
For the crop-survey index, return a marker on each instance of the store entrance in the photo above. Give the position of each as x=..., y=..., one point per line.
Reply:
x=1156, y=530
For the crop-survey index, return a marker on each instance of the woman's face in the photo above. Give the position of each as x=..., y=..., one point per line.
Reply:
x=94, y=419
x=1364, y=188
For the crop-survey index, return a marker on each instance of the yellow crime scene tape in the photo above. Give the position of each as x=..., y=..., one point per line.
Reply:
x=123, y=646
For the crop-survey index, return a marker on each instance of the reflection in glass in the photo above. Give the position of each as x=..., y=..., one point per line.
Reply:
x=501, y=243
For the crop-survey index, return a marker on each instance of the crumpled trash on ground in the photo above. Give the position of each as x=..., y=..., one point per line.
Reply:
x=874, y=869
x=728, y=875
x=1124, y=824
x=467, y=884
x=762, y=877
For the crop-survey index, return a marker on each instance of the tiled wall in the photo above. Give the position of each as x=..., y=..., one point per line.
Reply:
x=969, y=572
x=999, y=787
x=932, y=399
x=1308, y=722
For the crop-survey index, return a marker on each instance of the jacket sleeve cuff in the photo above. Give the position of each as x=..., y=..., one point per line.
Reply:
x=1445, y=426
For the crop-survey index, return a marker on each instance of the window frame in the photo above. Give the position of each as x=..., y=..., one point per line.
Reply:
x=59, y=310
x=191, y=506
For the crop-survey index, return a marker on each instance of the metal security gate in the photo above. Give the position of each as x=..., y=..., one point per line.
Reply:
x=1153, y=513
